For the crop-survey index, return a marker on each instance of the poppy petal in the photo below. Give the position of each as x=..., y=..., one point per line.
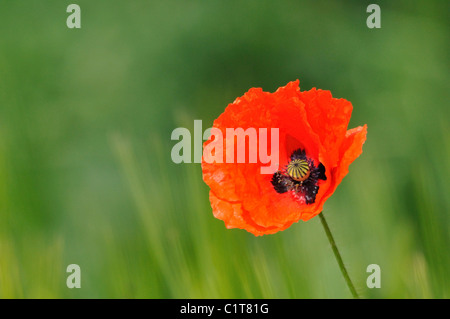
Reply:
x=351, y=149
x=329, y=118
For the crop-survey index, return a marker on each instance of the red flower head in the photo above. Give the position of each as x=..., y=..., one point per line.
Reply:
x=315, y=151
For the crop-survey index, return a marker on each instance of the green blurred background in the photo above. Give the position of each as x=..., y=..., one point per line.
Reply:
x=86, y=175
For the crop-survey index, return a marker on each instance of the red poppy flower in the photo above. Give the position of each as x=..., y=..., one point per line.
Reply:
x=315, y=151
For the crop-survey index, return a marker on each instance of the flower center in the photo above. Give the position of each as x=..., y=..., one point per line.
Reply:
x=298, y=170
x=300, y=177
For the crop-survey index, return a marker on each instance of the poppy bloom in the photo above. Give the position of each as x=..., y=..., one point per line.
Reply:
x=315, y=151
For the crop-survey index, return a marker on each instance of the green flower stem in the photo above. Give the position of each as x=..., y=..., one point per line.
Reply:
x=338, y=256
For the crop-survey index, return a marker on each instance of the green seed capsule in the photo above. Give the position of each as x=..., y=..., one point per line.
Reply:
x=298, y=170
